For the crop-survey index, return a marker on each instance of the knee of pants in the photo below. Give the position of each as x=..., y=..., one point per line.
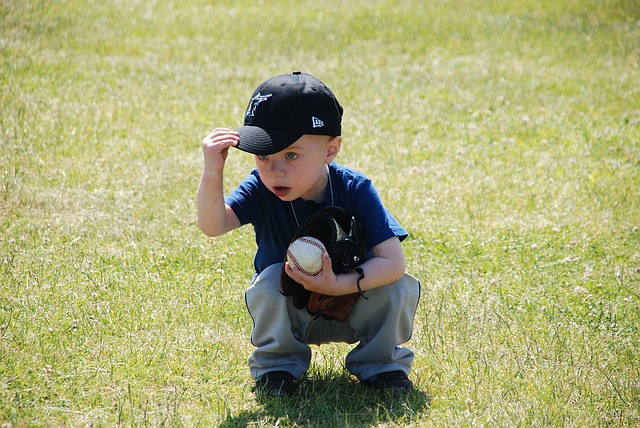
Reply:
x=390, y=308
x=402, y=294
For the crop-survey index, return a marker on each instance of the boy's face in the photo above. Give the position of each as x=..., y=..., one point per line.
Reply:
x=299, y=170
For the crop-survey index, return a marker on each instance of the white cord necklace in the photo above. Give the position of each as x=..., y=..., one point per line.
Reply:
x=293, y=210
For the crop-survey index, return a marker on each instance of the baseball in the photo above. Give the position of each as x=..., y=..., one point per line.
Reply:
x=305, y=253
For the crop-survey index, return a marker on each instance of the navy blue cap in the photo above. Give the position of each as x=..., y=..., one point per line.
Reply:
x=284, y=108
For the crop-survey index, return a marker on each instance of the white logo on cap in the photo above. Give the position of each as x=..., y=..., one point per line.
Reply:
x=317, y=123
x=251, y=111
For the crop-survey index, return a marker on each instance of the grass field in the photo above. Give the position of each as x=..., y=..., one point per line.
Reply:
x=504, y=135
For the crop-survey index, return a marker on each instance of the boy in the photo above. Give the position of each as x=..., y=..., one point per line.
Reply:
x=292, y=126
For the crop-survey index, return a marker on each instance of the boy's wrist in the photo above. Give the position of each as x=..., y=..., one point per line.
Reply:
x=210, y=174
x=347, y=282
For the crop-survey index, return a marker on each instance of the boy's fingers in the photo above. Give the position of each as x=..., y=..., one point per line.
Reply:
x=293, y=272
x=326, y=261
x=289, y=268
x=222, y=134
x=224, y=141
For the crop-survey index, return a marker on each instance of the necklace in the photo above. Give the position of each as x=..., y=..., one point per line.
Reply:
x=293, y=210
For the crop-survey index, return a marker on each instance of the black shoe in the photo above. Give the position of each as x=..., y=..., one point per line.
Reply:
x=395, y=381
x=276, y=383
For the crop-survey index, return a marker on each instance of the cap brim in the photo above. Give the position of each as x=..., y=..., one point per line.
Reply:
x=260, y=141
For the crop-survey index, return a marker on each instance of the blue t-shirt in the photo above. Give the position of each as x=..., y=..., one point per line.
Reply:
x=275, y=221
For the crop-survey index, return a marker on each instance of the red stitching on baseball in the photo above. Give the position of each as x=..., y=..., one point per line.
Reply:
x=316, y=244
x=300, y=268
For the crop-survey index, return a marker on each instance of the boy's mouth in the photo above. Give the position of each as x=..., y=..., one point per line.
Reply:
x=281, y=191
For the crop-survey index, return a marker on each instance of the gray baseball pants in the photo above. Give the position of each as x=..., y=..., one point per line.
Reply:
x=282, y=334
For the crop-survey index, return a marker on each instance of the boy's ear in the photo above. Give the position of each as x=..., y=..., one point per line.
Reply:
x=333, y=148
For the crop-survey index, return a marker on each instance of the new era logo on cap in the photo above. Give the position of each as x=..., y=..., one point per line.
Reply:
x=317, y=123
x=284, y=108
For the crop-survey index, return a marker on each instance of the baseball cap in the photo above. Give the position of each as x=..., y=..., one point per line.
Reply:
x=284, y=108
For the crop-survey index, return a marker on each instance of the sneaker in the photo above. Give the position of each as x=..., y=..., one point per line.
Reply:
x=276, y=383
x=396, y=381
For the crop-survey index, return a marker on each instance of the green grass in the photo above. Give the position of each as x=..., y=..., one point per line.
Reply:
x=505, y=136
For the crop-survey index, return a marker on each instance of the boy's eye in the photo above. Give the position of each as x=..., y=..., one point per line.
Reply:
x=291, y=156
x=263, y=157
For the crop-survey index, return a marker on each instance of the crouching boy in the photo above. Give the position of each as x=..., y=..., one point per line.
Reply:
x=292, y=126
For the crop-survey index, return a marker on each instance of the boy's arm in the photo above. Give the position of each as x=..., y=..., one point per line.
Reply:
x=214, y=216
x=386, y=266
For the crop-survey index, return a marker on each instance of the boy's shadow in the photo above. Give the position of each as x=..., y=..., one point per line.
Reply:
x=333, y=401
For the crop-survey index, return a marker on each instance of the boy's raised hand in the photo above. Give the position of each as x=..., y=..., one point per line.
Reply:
x=214, y=216
x=215, y=148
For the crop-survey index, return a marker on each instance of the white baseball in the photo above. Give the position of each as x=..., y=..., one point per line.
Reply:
x=305, y=253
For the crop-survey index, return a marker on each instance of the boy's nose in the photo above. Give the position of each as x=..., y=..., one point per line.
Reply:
x=276, y=169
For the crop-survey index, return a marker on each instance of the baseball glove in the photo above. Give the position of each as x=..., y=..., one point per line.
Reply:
x=341, y=235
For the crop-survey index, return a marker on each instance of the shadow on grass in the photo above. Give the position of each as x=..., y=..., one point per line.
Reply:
x=334, y=402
